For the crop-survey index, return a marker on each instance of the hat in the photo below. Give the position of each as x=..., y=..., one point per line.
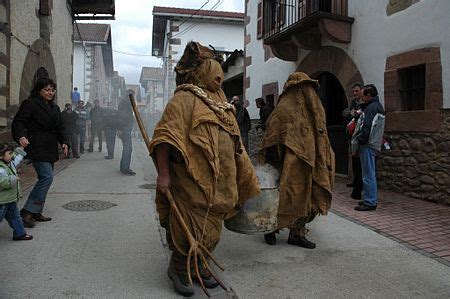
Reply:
x=4, y=147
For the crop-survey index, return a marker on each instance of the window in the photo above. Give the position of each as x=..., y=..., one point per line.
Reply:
x=412, y=87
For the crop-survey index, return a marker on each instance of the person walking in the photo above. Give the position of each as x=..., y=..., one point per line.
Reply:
x=109, y=121
x=296, y=143
x=351, y=114
x=96, y=116
x=69, y=119
x=10, y=190
x=369, y=136
x=81, y=123
x=38, y=128
x=126, y=120
x=243, y=120
x=75, y=96
x=200, y=161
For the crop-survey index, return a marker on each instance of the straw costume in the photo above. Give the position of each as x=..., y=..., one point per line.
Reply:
x=296, y=142
x=210, y=171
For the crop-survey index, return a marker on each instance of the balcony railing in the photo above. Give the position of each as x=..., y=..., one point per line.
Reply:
x=280, y=15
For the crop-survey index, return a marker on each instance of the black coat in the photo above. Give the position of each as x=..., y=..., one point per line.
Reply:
x=41, y=124
x=70, y=122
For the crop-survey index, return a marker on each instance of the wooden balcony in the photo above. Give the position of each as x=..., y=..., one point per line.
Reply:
x=287, y=25
x=93, y=9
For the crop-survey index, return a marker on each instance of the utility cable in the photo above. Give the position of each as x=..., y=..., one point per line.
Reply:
x=24, y=43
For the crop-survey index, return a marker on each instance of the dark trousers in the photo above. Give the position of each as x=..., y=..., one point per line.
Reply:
x=82, y=135
x=357, y=177
x=73, y=138
x=125, y=161
x=96, y=130
x=110, y=136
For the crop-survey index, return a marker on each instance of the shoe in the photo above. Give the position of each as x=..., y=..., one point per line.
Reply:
x=109, y=157
x=128, y=172
x=349, y=185
x=302, y=242
x=181, y=284
x=365, y=207
x=100, y=150
x=270, y=238
x=25, y=237
x=207, y=279
x=90, y=150
x=361, y=203
x=355, y=196
x=77, y=156
x=27, y=219
x=41, y=218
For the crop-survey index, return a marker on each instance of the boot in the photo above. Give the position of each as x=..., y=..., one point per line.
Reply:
x=27, y=219
x=300, y=241
x=41, y=218
x=270, y=238
x=207, y=278
x=181, y=284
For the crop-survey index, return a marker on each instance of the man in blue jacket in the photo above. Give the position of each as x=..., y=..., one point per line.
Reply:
x=370, y=141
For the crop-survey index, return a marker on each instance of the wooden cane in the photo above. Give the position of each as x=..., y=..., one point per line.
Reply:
x=196, y=249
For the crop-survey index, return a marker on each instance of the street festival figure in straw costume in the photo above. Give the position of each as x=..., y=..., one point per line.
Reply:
x=201, y=161
x=296, y=143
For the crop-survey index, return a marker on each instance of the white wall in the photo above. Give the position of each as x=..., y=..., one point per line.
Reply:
x=261, y=72
x=80, y=62
x=375, y=36
x=223, y=36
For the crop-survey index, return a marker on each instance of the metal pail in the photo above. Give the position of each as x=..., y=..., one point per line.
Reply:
x=258, y=215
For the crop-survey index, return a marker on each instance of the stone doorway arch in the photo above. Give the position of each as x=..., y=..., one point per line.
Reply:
x=338, y=72
x=38, y=63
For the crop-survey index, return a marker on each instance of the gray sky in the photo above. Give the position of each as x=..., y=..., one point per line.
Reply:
x=132, y=31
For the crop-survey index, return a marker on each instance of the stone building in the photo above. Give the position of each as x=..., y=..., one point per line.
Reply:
x=36, y=41
x=93, y=61
x=401, y=46
x=118, y=89
x=174, y=27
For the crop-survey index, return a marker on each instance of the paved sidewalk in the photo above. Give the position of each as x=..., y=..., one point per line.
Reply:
x=420, y=225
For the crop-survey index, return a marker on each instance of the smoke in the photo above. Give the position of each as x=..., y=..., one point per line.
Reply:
x=267, y=175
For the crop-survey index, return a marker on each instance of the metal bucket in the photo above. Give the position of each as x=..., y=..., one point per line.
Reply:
x=258, y=215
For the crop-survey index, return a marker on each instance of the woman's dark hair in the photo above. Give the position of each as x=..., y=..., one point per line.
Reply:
x=41, y=83
x=371, y=90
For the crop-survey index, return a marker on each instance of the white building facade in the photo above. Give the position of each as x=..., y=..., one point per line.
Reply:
x=403, y=47
x=173, y=28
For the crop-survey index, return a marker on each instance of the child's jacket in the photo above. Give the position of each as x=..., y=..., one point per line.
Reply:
x=9, y=184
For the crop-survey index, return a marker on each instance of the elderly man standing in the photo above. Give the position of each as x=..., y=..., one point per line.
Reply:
x=243, y=120
x=296, y=143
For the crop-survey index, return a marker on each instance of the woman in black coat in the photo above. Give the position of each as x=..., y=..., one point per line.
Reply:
x=38, y=128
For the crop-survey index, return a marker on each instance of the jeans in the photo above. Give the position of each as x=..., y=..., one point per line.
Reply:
x=110, y=136
x=82, y=137
x=36, y=199
x=125, y=161
x=369, y=176
x=11, y=213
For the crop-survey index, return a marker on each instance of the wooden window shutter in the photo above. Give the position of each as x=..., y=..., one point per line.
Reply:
x=281, y=13
x=44, y=7
x=259, y=21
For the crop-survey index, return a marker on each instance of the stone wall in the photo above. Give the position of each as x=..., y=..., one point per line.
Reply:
x=418, y=164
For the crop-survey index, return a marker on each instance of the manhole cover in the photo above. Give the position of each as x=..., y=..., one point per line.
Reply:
x=148, y=186
x=88, y=205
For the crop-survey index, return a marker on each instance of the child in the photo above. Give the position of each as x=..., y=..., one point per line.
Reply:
x=10, y=190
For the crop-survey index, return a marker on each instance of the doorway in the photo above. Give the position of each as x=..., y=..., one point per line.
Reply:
x=334, y=100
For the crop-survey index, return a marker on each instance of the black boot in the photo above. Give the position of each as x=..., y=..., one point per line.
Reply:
x=181, y=284
x=301, y=241
x=270, y=238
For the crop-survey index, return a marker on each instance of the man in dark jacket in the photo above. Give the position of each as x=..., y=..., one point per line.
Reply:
x=38, y=128
x=83, y=116
x=264, y=112
x=350, y=113
x=96, y=117
x=69, y=119
x=243, y=120
x=126, y=120
x=370, y=141
x=109, y=121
